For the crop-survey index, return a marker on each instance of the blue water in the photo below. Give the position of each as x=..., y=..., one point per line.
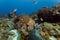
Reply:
x=24, y=6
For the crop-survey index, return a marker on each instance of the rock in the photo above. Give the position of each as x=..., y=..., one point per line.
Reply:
x=35, y=35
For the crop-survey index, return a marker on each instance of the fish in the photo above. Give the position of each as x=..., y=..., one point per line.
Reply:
x=35, y=2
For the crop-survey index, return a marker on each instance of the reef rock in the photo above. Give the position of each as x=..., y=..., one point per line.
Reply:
x=35, y=35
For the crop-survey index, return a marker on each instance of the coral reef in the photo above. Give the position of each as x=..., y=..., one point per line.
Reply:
x=43, y=25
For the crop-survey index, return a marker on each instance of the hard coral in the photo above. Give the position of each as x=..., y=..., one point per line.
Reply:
x=27, y=21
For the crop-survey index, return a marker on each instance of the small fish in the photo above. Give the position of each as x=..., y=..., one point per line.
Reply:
x=35, y=2
x=15, y=10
